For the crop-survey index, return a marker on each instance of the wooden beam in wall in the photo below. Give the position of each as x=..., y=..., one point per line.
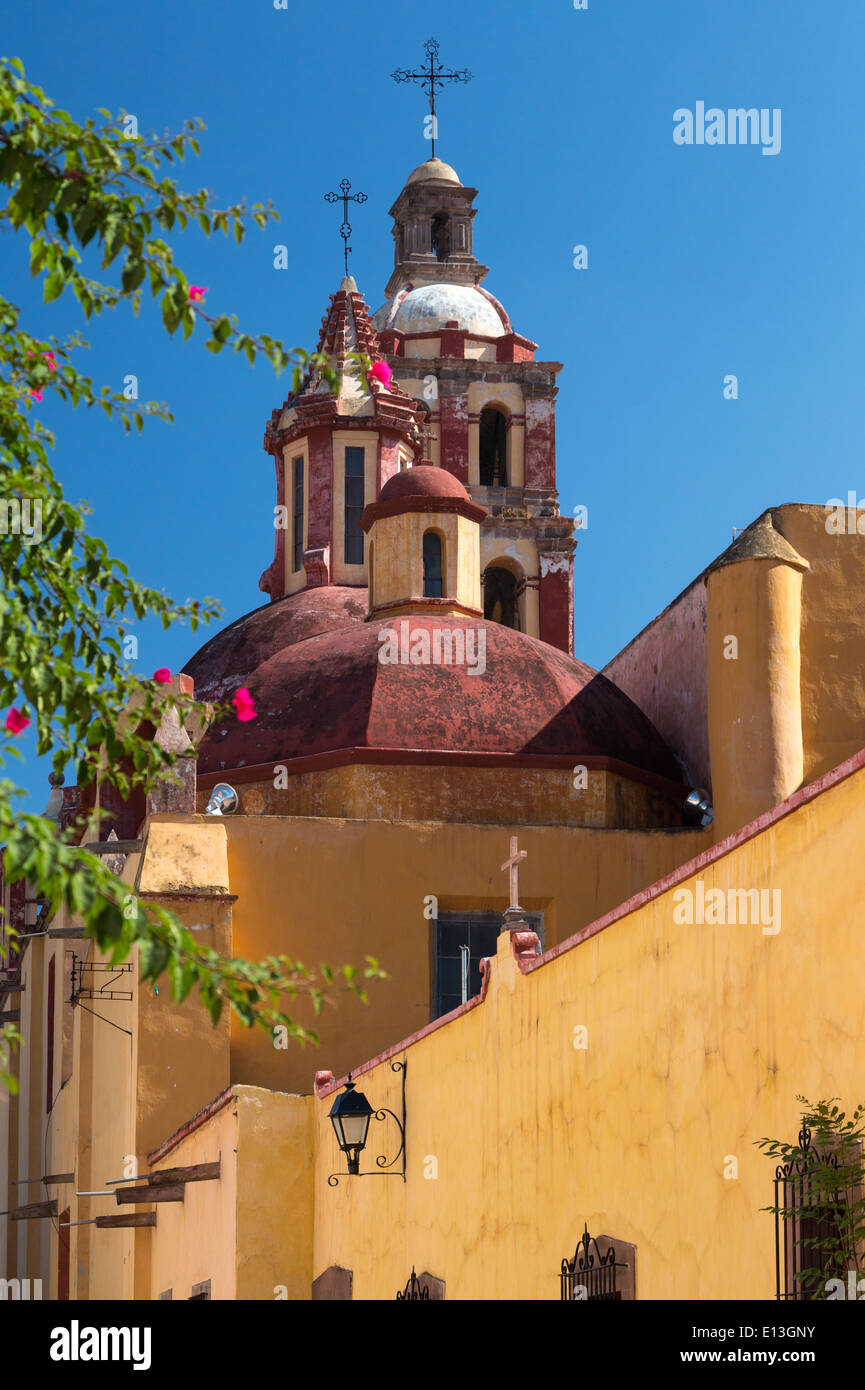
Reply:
x=126, y=1218
x=196, y=1172
x=127, y=1195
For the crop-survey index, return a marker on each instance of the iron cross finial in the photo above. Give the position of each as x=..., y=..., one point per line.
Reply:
x=429, y=78
x=345, y=197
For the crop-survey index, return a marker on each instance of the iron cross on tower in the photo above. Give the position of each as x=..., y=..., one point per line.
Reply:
x=429, y=78
x=345, y=197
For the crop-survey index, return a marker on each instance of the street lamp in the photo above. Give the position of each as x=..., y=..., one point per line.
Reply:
x=350, y=1115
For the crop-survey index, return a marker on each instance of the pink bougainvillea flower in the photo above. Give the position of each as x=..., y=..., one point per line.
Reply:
x=162, y=676
x=16, y=722
x=49, y=358
x=381, y=372
x=37, y=395
x=244, y=705
x=197, y=293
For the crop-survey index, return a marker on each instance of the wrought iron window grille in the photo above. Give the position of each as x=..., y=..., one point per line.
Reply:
x=806, y=1223
x=592, y=1271
x=414, y=1290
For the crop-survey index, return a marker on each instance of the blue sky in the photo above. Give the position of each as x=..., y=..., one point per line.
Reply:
x=703, y=261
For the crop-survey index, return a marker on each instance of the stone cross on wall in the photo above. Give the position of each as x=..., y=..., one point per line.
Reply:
x=512, y=866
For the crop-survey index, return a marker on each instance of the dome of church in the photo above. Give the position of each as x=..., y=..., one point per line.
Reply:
x=433, y=169
x=331, y=694
x=424, y=480
x=428, y=308
x=223, y=663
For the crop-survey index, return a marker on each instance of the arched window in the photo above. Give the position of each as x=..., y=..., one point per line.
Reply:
x=501, y=602
x=440, y=236
x=493, y=448
x=433, y=567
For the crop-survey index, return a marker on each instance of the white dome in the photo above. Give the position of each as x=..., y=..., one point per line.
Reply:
x=429, y=307
x=434, y=169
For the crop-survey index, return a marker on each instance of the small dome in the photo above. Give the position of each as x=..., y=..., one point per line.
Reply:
x=433, y=169
x=424, y=480
x=429, y=308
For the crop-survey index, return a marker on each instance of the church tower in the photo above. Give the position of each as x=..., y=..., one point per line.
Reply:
x=467, y=395
x=491, y=405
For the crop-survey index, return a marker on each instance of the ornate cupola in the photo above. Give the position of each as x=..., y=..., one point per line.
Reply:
x=333, y=452
x=432, y=230
x=424, y=546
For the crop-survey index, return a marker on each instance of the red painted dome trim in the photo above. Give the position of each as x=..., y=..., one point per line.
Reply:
x=400, y=505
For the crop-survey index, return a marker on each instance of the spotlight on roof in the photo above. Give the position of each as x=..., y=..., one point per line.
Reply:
x=223, y=800
x=698, y=807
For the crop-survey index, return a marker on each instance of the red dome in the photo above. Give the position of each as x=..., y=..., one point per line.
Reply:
x=331, y=694
x=229, y=658
x=424, y=480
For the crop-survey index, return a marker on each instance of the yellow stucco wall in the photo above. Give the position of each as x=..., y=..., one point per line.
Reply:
x=338, y=890
x=196, y=1239
x=500, y=795
x=753, y=621
x=699, y=1038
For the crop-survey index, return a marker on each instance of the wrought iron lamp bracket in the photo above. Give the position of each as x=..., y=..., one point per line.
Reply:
x=383, y=1163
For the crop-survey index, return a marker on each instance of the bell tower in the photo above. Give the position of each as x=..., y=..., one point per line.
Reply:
x=490, y=402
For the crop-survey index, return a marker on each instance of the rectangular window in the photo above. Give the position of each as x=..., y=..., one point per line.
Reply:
x=297, y=561
x=479, y=932
x=354, y=495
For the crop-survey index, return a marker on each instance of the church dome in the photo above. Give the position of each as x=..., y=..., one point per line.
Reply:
x=225, y=662
x=429, y=308
x=331, y=696
x=433, y=169
x=424, y=480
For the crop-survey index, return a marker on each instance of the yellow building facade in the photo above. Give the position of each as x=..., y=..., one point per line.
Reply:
x=597, y=1046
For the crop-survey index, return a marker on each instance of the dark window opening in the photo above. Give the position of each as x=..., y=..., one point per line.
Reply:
x=354, y=503
x=493, y=448
x=441, y=236
x=49, y=1022
x=297, y=561
x=454, y=965
x=433, y=578
x=501, y=604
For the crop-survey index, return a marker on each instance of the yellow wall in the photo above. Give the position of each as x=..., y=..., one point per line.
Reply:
x=499, y=795
x=699, y=1039
x=753, y=621
x=338, y=890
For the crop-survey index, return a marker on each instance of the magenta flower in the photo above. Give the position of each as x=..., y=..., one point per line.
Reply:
x=37, y=395
x=49, y=358
x=381, y=372
x=162, y=676
x=16, y=722
x=197, y=293
x=244, y=705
